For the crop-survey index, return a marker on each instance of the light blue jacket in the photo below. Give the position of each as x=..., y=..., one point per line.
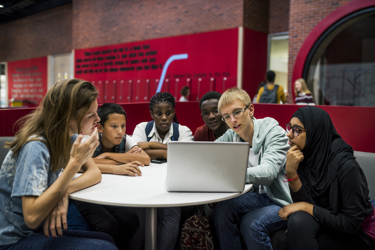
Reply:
x=270, y=140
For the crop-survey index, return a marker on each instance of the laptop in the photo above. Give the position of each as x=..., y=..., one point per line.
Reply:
x=207, y=166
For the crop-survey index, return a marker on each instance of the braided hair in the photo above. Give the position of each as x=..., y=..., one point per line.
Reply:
x=161, y=97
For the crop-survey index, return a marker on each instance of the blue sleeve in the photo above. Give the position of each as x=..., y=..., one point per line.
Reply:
x=32, y=170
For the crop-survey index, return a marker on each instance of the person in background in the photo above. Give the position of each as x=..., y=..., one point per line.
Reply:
x=185, y=92
x=271, y=92
x=303, y=94
x=214, y=126
x=259, y=86
x=253, y=215
x=117, y=153
x=37, y=174
x=153, y=137
x=332, y=208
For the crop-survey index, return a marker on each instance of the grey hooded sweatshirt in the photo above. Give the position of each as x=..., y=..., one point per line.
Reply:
x=271, y=140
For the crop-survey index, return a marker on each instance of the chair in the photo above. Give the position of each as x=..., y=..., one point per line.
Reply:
x=367, y=163
x=4, y=151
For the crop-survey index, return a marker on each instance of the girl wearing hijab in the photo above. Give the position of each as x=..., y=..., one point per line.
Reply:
x=331, y=208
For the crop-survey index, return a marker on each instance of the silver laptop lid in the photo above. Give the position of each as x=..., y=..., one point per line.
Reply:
x=207, y=166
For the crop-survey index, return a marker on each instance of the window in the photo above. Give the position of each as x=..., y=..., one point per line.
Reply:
x=340, y=69
x=278, y=57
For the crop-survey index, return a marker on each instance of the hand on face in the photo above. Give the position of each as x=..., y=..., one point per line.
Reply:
x=293, y=159
x=82, y=151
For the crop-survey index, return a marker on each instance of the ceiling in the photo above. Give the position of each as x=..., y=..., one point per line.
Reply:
x=16, y=9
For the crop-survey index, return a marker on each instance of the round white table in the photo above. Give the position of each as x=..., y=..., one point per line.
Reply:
x=149, y=191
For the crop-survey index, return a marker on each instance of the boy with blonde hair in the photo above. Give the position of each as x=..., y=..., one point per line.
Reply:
x=254, y=214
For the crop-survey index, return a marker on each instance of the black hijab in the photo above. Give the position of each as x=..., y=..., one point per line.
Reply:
x=325, y=152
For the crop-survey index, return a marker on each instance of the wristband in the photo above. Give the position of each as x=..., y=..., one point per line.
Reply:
x=288, y=180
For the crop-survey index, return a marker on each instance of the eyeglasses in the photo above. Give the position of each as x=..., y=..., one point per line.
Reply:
x=295, y=129
x=235, y=114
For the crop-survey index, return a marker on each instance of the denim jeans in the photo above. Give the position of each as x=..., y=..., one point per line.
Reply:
x=126, y=225
x=71, y=240
x=168, y=227
x=251, y=215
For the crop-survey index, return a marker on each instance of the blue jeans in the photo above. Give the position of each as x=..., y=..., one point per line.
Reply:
x=71, y=240
x=252, y=215
x=168, y=227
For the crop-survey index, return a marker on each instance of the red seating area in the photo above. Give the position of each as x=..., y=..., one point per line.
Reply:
x=354, y=124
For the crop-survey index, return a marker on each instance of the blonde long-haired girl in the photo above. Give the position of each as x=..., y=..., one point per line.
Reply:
x=302, y=93
x=33, y=193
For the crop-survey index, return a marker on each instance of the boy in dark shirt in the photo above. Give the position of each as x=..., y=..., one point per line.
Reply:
x=117, y=153
x=214, y=127
x=113, y=140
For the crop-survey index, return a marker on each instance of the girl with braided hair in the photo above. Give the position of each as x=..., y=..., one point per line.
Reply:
x=153, y=137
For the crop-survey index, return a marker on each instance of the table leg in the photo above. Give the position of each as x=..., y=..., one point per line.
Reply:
x=151, y=233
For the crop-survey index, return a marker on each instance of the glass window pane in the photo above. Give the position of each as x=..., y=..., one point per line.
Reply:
x=342, y=70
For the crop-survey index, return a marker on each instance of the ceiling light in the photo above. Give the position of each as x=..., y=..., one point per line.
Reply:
x=1, y=6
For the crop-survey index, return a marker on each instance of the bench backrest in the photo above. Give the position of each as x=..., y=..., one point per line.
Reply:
x=4, y=151
x=367, y=163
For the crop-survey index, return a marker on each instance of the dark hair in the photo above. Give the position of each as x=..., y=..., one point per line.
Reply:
x=184, y=91
x=208, y=96
x=270, y=76
x=161, y=97
x=109, y=108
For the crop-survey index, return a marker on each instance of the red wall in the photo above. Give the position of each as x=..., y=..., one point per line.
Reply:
x=254, y=60
x=129, y=72
x=354, y=124
x=8, y=118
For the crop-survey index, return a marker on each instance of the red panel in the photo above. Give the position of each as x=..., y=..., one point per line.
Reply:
x=110, y=91
x=140, y=90
x=100, y=88
x=145, y=59
x=124, y=91
x=205, y=84
x=9, y=117
x=27, y=79
x=154, y=86
x=194, y=95
x=356, y=133
x=361, y=139
x=254, y=60
x=225, y=83
x=320, y=28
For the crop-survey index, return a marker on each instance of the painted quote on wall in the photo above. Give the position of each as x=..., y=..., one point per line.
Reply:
x=27, y=79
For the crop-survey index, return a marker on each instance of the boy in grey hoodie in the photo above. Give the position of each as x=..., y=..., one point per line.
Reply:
x=254, y=214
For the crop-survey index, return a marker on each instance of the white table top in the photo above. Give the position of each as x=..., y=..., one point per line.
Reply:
x=148, y=190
